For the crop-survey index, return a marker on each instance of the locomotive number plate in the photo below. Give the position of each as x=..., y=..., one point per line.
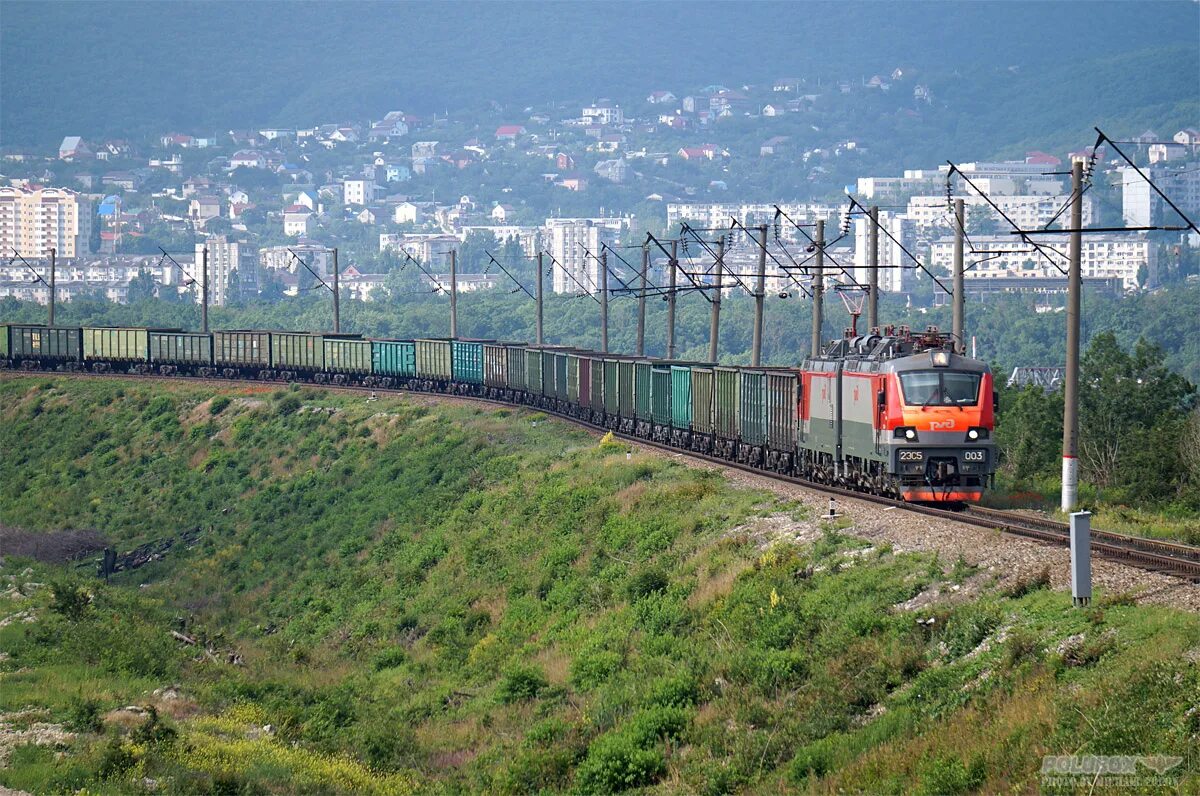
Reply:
x=911, y=456
x=973, y=456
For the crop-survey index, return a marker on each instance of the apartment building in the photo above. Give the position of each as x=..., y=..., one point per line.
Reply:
x=34, y=222
x=1103, y=257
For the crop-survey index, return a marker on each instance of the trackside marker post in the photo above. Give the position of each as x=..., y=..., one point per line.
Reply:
x=1081, y=557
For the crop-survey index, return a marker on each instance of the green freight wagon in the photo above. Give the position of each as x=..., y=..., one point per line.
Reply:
x=32, y=341
x=298, y=351
x=433, y=359
x=4, y=346
x=348, y=355
x=596, y=390
x=660, y=395
x=612, y=382
x=467, y=361
x=518, y=364
x=117, y=343
x=560, y=375
x=752, y=418
x=181, y=348
x=573, y=373
x=681, y=396
x=533, y=371
x=394, y=358
x=625, y=389
x=584, y=380
x=702, y=399
x=242, y=348
x=782, y=397
x=726, y=395
x=643, y=389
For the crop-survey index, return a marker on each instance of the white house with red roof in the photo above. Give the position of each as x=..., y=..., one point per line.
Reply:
x=660, y=98
x=509, y=132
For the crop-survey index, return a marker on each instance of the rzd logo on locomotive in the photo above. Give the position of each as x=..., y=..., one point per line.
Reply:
x=941, y=425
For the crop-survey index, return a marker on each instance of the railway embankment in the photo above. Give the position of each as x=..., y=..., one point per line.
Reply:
x=414, y=594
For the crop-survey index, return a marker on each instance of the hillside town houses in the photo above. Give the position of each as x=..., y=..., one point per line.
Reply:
x=265, y=202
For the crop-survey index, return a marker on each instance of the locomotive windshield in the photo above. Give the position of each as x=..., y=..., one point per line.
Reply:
x=940, y=388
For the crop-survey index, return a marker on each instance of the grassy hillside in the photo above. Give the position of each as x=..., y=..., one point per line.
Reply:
x=401, y=596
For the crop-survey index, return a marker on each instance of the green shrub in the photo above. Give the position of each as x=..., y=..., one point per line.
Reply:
x=615, y=763
x=647, y=582
x=969, y=626
x=390, y=658
x=219, y=404
x=814, y=760
x=944, y=776
x=593, y=667
x=676, y=691
x=287, y=405
x=83, y=715
x=521, y=682
x=657, y=723
x=68, y=599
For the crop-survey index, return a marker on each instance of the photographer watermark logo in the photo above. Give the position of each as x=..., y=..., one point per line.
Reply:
x=1134, y=771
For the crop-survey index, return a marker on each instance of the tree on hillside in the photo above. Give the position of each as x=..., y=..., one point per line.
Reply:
x=1129, y=403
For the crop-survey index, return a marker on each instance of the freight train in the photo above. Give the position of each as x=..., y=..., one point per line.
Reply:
x=899, y=413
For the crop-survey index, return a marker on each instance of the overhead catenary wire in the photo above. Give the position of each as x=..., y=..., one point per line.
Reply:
x=509, y=275
x=571, y=276
x=904, y=249
x=824, y=248
x=1142, y=174
x=955, y=170
x=767, y=251
x=32, y=270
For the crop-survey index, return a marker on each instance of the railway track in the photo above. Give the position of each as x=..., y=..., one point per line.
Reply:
x=1154, y=555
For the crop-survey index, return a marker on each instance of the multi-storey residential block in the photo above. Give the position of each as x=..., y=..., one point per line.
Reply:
x=1007, y=256
x=34, y=222
x=896, y=269
x=576, y=244
x=1141, y=206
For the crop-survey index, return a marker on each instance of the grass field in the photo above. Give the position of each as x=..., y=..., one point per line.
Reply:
x=402, y=596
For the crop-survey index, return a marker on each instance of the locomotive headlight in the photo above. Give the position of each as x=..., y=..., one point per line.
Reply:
x=976, y=433
x=910, y=433
x=941, y=359
x=973, y=434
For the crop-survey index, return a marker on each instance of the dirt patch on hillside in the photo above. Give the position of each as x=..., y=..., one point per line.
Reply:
x=49, y=546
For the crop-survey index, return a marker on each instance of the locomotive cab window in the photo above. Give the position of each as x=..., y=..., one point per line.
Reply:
x=940, y=388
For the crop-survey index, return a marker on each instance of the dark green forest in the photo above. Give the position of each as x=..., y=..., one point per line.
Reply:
x=1004, y=74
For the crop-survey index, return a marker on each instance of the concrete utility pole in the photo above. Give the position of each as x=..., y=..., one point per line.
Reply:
x=960, y=234
x=337, y=309
x=760, y=295
x=53, y=256
x=714, y=330
x=818, y=289
x=453, y=293
x=873, y=277
x=673, y=266
x=603, y=280
x=1070, y=468
x=641, y=327
x=204, y=291
x=541, y=278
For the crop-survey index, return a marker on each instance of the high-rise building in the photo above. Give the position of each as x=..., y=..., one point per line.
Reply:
x=895, y=267
x=1141, y=206
x=224, y=257
x=34, y=222
x=575, y=244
